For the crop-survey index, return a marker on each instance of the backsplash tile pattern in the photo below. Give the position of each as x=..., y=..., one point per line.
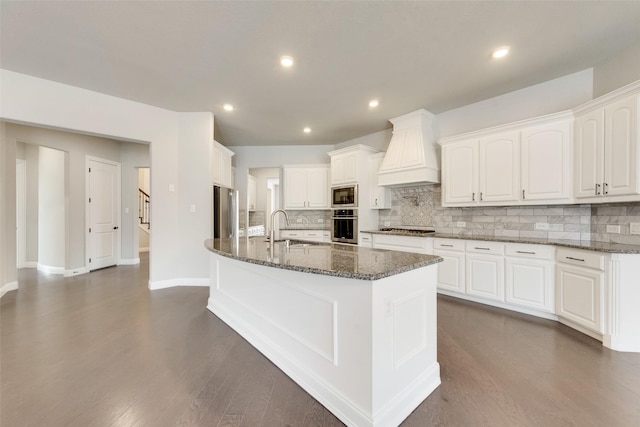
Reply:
x=421, y=206
x=317, y=219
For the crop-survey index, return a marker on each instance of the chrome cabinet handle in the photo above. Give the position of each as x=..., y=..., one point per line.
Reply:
x=523, y=194
x=575, y=259
x=597, y=189
x=484, y=249
x=448, y=246
x=480, y=196
x=525, y=252
x=605, y=189
x=473, y=197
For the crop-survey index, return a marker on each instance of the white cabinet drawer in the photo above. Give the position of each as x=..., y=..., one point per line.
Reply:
x=529, y=251
x=580, y=257
x=448, y=244
x=402, y=243
x=479, y=246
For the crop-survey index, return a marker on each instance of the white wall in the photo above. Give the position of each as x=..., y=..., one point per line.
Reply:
x=8, y=270
x=549, y=97
x=617, y=71
x=40, y=102
x=52, y=211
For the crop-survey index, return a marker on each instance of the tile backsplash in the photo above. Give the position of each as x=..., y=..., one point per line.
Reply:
x=421, y=206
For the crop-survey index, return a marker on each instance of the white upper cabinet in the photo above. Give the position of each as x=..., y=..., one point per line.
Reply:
x=350, y=165
x=379, y=197
x=499, y=168
x=306, y=187
x=606, y=150
x=520, y=163
x=220, y=165
x=546, y=161
x=460, y=177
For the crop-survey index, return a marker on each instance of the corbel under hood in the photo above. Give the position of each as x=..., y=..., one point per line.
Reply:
x=412, y=156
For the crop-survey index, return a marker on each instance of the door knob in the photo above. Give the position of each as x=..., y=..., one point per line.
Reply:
x=115, y=228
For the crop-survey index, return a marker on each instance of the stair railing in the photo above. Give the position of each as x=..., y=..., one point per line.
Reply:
x=144, y=200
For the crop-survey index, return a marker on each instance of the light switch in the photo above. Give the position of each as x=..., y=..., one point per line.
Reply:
x=126, y=210
x=192, y=208
x=172, y=187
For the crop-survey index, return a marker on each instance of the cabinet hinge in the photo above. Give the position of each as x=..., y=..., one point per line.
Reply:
x=89, y=169
x=89, y=230
x=89, y=259
x=89, y=199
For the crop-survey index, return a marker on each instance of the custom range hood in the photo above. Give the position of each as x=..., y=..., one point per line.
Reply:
x=412, y=156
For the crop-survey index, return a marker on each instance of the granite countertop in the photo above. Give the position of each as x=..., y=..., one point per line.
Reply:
x=614, y=248
x=350, y=261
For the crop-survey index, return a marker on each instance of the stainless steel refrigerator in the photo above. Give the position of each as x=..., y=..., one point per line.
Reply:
x=225, y=212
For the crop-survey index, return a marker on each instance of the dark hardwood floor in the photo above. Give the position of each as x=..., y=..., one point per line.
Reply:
x=101, y=349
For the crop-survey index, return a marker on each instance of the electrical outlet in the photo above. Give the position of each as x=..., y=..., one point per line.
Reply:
x=634, y=228
x=192, y=208
x=320, y=220
x=298, y=220
x=542, y=226
x=387, y=223
x=613, y=229
x=461, y=224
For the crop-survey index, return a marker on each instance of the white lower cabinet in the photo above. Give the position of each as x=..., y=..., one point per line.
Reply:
x=451, y=270
x=580, y=286
x=485, y=270
x=529, y=276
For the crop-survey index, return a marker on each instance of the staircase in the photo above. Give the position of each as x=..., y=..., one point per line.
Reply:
x=144, y=203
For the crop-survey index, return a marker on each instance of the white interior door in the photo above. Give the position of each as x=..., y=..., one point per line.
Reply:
x=103, y=208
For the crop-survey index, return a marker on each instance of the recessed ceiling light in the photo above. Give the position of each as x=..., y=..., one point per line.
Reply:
x=227, y=107
x=500, y=52
x=286, y=61
x=373, y=103
x=306, y=130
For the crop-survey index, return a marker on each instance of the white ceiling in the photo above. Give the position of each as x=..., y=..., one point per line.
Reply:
x=195, y=56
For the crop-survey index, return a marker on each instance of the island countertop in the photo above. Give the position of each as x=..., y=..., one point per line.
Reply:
x=354, y=262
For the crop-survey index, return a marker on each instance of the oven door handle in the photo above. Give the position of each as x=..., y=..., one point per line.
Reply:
x=344, y=217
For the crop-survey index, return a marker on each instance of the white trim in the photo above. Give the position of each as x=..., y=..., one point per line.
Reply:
x=50, y=269
x=87, y=216
x=129, y=261
x=612, y=96
x=162, y=284
x=31, y=264
x=75, y=272
x=7, y=287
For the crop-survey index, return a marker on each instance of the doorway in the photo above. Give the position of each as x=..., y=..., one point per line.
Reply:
x=144, y=209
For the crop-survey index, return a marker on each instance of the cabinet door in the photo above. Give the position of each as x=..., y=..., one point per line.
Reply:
x=318, y=188
x=529, y=283
x=295, y=188
x=546, y=163
x=579, y=296
x=460, y=162
x=621, y=145
x=351, y=168
x=379, y=197
x=589, y=154
x=499, y=168
x=337, y=169
x=451, y=271
x=485, y=276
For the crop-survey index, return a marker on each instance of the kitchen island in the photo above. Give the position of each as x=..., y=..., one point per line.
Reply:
x=355, y=327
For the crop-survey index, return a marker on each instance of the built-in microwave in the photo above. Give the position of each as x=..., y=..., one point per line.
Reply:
x=345, y=196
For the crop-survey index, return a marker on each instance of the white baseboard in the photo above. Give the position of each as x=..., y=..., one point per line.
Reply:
x=11, y=286
x=143, y=249
x=49, y=269
x=130, y=261
x=31, y=264
x=75, y=271
x=162, y=284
